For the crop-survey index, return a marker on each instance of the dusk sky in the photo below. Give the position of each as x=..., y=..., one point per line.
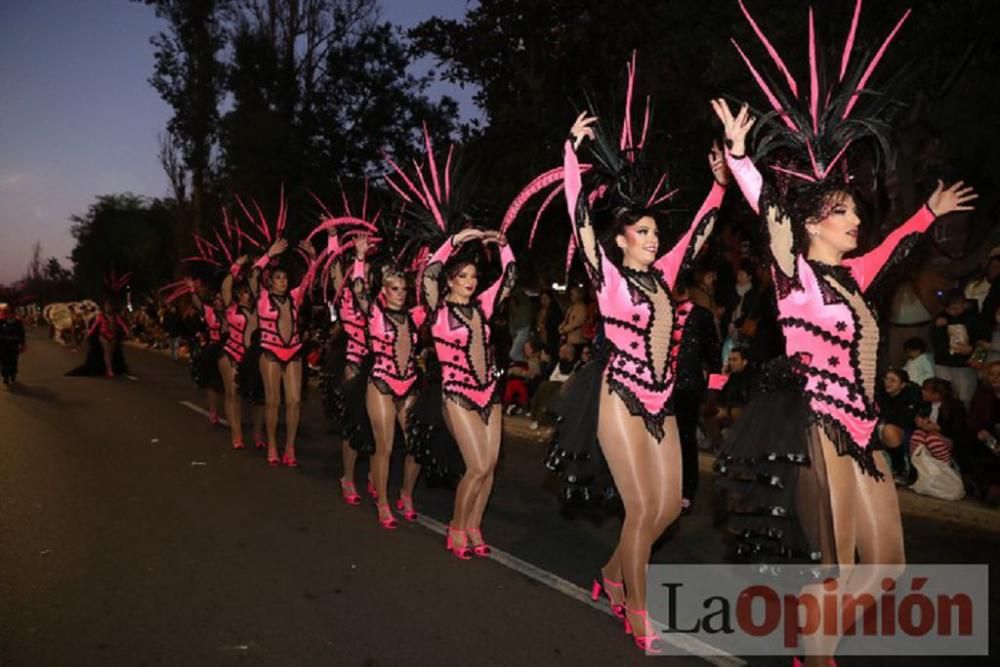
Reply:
x=79, y=119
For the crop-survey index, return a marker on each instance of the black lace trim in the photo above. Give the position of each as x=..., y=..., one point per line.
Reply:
x=652, y=422
x=384, y=389
x=815, y=330
x=844, y=443
x=899, y=253
x=461, y=401
x=703, y=227
x=595, y=271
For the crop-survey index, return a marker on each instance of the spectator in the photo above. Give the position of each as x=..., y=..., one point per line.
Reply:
x=172, y=324
x=898, y=404
x=548, y=390
x=940, y=422
x=697, y=358
x=979, y=455
x=956, y=330
x=547, y=322
x=978, y=288
x=523, y=376
x=702, y=292
x=733, y=397
x=522, y=319
x=991, y=324
x=575, y=318
x=919, y=365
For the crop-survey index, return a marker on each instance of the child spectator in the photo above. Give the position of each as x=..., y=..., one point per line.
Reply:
x=919, y=365
x=898, y=404
x=956, y=331
x=940, y=422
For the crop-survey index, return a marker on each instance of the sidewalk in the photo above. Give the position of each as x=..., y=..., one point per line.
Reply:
x=967, y=512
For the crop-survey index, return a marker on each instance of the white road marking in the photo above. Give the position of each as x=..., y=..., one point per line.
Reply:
x=696, y=647
x=202, y=411
x=132, y=378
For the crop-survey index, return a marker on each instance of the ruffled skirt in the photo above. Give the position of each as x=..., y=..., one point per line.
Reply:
x=205, y=366
x=249, y=382
x=94, y=362
x=429, y=441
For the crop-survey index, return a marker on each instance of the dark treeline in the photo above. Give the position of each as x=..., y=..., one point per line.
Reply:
x=305, y=93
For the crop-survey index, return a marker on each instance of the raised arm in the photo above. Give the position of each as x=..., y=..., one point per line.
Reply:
x=227, y=283
x=687, y=248
x=576, y=201
x=778, y=224
x=359, y=280
x=496, y=293
x=868, y=267
x=430, y=286
x=305, y=285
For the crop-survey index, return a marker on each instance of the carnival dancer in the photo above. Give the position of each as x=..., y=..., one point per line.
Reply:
x=806, y=445
x=392, y=335
x=207, y=349
x=239, y=362
x=108, y=329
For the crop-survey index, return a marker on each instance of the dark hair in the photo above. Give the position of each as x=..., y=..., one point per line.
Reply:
x=620, y=220
x=954, y=297
x=741, y=350
x=915, y=343
x=903, y=376
x=455, y=267
x=939, y=387
x=812, y=202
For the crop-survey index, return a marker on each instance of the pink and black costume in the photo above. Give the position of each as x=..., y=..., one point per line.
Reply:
x=112, y=328
x=205, y=356
x=392, y=340
x=643, y=329
x=280, y=340
x=462, y=334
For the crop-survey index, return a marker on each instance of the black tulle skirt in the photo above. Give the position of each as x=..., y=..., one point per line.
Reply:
x=350, y=411
x=249, y=382
x=205, y=366
x=428, y=439
x=94, y=362
x=575, y=453
x=765, y=467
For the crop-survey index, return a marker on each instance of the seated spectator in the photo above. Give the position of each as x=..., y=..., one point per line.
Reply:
x=898, y=404
x=919, y=366
x=732, y=398
x=940, y=422
x=979, y=455
x=955, y=333
x=523, y=376
x=548, y=390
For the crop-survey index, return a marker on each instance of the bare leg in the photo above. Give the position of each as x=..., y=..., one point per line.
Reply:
x=107, y=347
x=348, y=454
x=468, y=430
x=491, y=453
x=213, y=401
x=270, y=372
x=865, y=517
x=647, y=475
x=411, y=469
x=257, y=412
x=292, y=379
x=382, y=413
x=232, y=401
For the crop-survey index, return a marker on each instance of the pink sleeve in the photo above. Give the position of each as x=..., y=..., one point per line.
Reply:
x=431, y=271
x=748, y=178
x=867, y=267
x=686, y=249
x=603, y=274
x=494, y=295
x=262, y=262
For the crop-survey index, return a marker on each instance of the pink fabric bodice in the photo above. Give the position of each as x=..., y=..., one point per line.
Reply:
x=355, y=325
x=637, y=308
x=213, y=322
x=238, y=323
x=831, y=331
x=462, y=334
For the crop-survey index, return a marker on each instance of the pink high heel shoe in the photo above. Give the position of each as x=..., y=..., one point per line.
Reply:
x=372, y=491
x=479, y=547
x=289, y=460
x=405, y=505
x=389, y=523
x=259, y=442
x=602, y=583
x=213, y=418
x=463, y=552
x=350, y=493
x=648, y=641
x=239, y=445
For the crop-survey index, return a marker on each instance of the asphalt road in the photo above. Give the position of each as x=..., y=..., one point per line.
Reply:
x=132, y=534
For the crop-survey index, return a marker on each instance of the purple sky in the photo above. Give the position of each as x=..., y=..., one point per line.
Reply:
x=78, y=119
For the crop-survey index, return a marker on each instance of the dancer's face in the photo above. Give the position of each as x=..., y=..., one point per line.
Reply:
x=244, y=297
x=639, y=242
x=279, y=282
x=394, y=292
x=838, y=229
x=217, y=302
x=463, y=282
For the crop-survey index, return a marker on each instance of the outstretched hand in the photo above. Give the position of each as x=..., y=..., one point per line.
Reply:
x=361, y=246
x=717, y=162
x=494, y=236
x=957, y=197
x=581, y=129
x=466, y=235
x=307, y=248
x=278, y=247
x=736, y=128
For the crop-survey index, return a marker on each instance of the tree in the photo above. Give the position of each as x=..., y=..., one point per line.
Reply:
x=121, y=233
x=189, y=76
